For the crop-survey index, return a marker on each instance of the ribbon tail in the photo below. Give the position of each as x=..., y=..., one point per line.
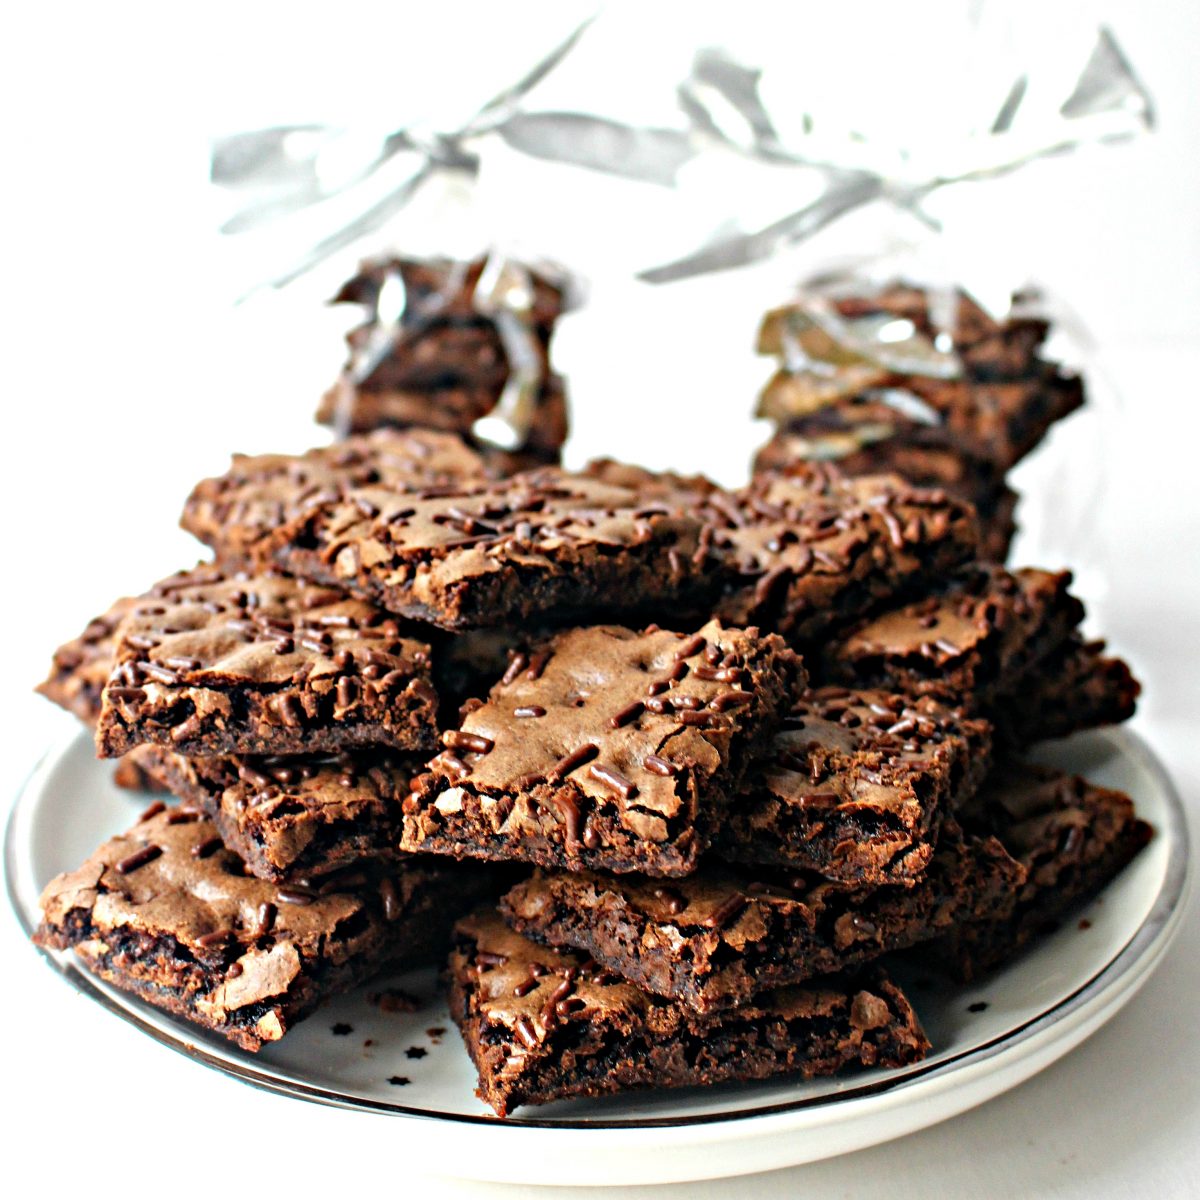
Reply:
x=365, y=223
x=744, y=249
x=309, y=190
x=647, y=155
x=264, y=211
x=500, y=106
x=258, y=157
x=1109, y=83
x=737, y=85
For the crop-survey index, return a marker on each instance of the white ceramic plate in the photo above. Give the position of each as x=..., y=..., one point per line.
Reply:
x=987, y=1038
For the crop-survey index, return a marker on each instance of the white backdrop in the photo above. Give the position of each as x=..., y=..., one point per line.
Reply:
x=128, y=375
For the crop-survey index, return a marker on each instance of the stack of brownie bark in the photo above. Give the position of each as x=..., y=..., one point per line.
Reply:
x=920, y=381
x=667, y=769
x=462, y=347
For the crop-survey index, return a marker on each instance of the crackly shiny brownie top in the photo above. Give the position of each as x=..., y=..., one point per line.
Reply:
x=536, y=993
x=236, y=512
x=203, y=635
x=809, y=546
x=618, y=715
x=978, y=630
x=865, y=750
x=430, y=554
x=170, y=877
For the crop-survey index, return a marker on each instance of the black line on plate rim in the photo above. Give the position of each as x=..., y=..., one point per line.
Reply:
x=1160, y=924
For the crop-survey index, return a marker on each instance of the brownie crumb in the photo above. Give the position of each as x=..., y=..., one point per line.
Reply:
x=399, y=1080
x=368, y=1043
x=395, y=1000
x=435, y=1034
x=977, y=1007
x=1084, y=923
x=341, y=1029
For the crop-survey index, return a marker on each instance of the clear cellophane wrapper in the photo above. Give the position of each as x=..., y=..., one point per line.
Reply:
x=684, y=188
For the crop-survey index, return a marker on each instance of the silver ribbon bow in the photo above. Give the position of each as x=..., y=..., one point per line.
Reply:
x=722, y=100
x=285, y=169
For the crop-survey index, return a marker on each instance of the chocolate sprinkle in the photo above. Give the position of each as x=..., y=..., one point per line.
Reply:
x=573, y=760
x=139, y=858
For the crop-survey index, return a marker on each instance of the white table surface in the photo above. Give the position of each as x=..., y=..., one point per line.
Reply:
x=124, y=384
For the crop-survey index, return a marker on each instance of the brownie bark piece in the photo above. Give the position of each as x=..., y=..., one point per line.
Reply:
x=295, y=817
x=78, y=673
x=214, y=664
x=136, y=773
x=973, y=638
x=81, y=667
x=717, y=938
x=165, y=912
x=873, y=450
x=80, y=670
x=855, y=786
x=870, y=450
x=428, y=354
x=1071, y=836
x=606, y=748
x=810, y=548
x=434, y=352
x=546, y=1025
x=1076, y=687
x=238, y=512
x=546, y=543
x=996, y=513
x=954, y=377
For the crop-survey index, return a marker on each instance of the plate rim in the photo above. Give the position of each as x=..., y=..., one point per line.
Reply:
x=1154, y=933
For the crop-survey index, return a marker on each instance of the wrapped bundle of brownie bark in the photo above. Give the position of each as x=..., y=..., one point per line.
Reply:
x=463, y=347
x=666, y=769
x=917, y=380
